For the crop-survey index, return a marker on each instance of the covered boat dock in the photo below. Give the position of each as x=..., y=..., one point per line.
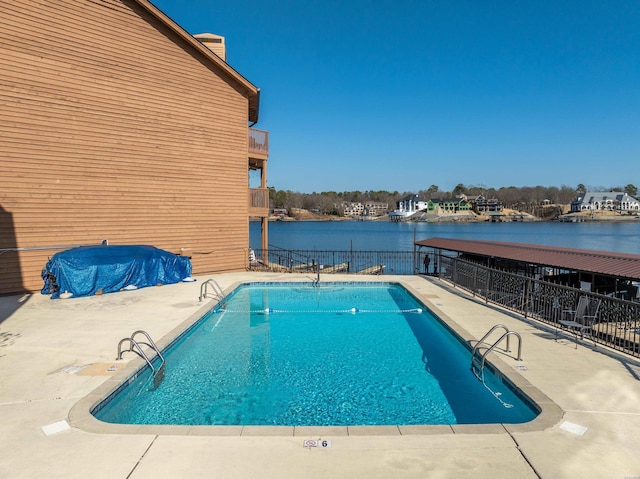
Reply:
x=615, y=274
x=546, y=283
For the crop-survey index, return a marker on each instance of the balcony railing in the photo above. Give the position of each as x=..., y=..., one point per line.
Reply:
x=258, y=142
x=259, y=201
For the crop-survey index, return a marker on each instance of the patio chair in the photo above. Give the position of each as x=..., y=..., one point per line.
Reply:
x=582, y=318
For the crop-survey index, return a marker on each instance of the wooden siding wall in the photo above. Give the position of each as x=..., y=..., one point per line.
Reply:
x=113, y=127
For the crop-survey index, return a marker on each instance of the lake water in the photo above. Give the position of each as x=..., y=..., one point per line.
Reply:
x=389, y=236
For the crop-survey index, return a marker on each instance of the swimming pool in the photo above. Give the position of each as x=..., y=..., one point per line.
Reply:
x=296, y=355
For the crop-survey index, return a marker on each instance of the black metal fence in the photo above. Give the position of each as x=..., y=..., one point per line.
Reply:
x=356, y=262
x=617, y=323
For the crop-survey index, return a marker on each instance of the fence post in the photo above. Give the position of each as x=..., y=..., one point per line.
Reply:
x=454, y=272
x=525, y=296
x=475, y=281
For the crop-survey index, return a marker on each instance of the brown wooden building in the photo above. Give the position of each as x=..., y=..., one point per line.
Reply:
x=117, y=124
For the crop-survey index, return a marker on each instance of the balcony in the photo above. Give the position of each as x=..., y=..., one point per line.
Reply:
x=258, y=144
x=259, y=202
x=258, y=154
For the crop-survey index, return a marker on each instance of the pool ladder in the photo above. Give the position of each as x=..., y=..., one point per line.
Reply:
x=136, y=347
x=217, y=291
x=478, y=360
x=316, y=282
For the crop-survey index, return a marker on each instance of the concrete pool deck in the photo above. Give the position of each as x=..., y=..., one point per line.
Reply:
x=53, y=354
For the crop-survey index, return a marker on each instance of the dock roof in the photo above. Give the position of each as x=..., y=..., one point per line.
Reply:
x=621, y=265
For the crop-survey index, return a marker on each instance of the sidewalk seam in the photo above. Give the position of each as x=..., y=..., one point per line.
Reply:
x=142, y=457
x=524, y=456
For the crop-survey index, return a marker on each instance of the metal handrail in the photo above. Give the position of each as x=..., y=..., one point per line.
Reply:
x=478, y=371
x=487, y=335
x=217, y=290
x=140, y=352
x=150, y=344
x=135, y=347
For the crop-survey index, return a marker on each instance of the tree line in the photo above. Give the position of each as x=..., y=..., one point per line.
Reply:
x=521, y=198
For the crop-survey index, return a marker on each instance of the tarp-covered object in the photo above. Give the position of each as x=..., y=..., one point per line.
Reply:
x=87, y=270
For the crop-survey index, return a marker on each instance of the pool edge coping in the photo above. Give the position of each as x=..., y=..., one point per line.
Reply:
x=80, y=415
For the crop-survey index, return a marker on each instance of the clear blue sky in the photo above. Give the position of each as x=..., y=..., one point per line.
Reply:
x=402, y=94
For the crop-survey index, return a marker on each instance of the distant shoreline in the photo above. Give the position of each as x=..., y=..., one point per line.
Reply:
x=586, y=218
x=453, y=218
x=505, y=216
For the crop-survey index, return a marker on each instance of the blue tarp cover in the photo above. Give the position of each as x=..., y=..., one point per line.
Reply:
x=86, y=270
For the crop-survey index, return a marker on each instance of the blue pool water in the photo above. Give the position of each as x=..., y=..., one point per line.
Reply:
x=294, y=354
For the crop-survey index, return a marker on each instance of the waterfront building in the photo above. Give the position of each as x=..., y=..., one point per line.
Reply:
x=408, y=206
x=353, y=208
x=280, y=212
x=118, y=125
x=448, y=205
x=605, y=201
x=480, y=204
x=369, y=208
x=375, y=208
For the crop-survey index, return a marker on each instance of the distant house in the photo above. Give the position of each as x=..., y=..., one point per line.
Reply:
x=448, y=205
x=118, y=125
x=605, y=201
x=375, y=208
x=480, y=204
x=280, y=212
x=369, y=208
x=353, y=208
x=408, y=206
